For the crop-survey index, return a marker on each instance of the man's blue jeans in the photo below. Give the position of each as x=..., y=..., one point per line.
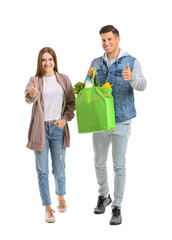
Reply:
x=101, y=142
x=54, y=142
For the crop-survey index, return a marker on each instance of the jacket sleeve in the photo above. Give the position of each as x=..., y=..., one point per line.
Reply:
x=28, y=98
x=138, y=81
x=70, y=102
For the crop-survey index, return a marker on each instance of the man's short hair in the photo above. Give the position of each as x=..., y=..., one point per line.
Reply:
x=109, y=28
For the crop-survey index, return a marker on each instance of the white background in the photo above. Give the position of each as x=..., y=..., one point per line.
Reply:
x=71, y=28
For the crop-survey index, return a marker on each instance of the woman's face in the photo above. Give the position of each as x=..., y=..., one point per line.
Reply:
x=48, y=64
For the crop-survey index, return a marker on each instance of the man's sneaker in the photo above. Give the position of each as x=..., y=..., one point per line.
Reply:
x=101, y=204
x=116, y=218
x=49, y=216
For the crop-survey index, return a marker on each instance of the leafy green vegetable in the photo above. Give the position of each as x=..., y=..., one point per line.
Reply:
x=98, y=84
x=78, y=87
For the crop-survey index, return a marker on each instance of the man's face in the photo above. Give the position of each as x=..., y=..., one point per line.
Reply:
x=110, y=42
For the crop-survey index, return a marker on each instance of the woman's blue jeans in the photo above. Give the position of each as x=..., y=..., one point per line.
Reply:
x=54, y=142
x=101, y=142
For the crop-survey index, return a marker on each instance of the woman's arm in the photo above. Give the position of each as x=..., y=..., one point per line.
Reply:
x=31, y=91
x=70, y=102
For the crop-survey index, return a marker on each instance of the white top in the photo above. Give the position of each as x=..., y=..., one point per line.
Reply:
x=53, y=98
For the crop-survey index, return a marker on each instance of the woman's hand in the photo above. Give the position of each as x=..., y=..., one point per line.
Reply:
x=60, y=123
x=33, y=90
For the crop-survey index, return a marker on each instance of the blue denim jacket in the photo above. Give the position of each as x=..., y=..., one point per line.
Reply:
x=121, y=90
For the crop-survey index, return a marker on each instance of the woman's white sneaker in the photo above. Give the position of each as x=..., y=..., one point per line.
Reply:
x=49, y=216
x=62, y=204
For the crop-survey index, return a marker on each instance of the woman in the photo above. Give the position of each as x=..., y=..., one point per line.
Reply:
x=53, y=106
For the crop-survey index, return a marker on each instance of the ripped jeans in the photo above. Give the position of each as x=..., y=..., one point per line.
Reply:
x=54, y=142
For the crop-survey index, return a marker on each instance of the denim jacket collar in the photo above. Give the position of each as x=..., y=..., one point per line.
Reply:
x=117, y=59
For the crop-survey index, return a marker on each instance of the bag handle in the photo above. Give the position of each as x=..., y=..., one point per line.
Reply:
x=92, y=79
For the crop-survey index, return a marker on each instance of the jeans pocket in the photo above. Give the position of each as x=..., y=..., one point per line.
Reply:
x=60, y=128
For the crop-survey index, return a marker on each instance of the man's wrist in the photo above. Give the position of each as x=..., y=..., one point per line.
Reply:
x=132, y=78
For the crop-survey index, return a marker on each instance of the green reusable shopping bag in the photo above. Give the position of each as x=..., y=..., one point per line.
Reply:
x=95, y=109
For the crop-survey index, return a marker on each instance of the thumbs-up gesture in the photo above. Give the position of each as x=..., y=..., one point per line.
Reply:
x=33, y=90
x=127, y=74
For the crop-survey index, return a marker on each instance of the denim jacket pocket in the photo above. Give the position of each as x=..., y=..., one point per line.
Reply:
x=102, y=75
x=118, y=72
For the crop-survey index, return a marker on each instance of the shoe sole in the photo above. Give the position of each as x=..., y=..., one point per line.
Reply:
x=105, y=208
x=62, y=211
x=50, y=221
x=115, y=223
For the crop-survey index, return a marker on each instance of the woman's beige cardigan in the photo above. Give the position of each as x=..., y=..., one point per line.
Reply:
x=37, y=134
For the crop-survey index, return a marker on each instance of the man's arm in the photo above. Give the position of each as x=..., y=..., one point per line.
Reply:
x=138, y=81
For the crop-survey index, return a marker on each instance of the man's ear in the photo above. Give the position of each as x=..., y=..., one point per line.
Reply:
x=118, y=39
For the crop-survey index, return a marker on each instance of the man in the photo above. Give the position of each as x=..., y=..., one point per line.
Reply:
x=124, y=72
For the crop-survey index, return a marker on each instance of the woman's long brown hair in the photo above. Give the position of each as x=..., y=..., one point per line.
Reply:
x=40, y=71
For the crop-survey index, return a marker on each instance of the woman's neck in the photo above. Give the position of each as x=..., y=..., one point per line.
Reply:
x=50, y=74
